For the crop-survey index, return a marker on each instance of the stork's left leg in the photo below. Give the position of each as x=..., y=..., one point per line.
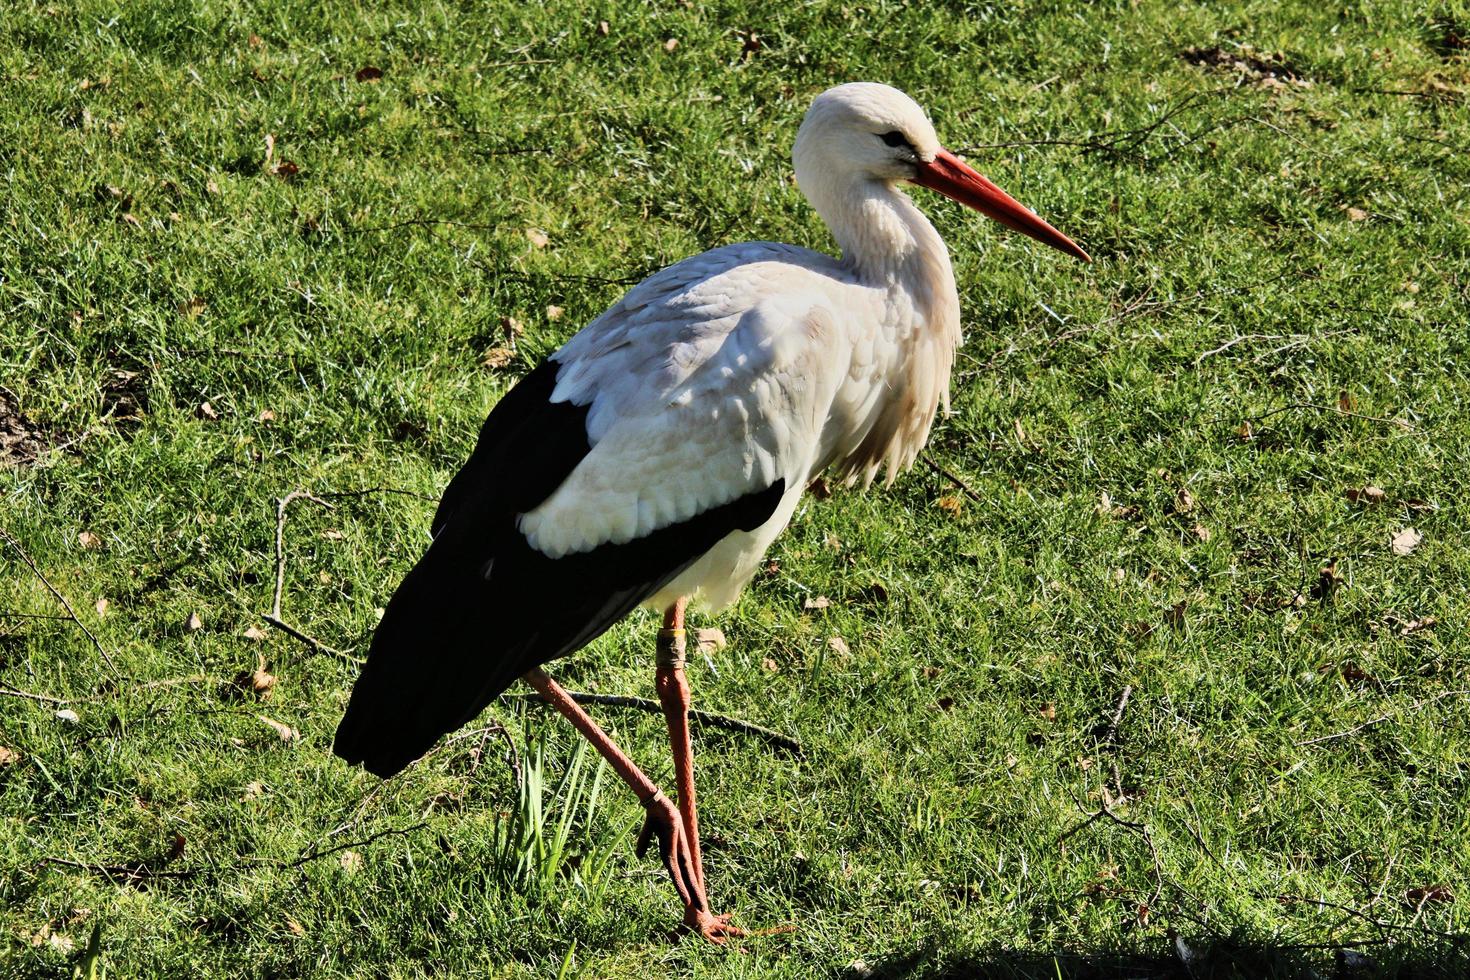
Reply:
x=673, y=694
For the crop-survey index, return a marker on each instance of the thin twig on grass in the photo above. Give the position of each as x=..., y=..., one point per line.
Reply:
x=947, y=474
x=703, y=717
x=1312, y=406
x=43, y=698
x=61, y=599
x=129, y=872
x=1380, y=719
x=274, y=617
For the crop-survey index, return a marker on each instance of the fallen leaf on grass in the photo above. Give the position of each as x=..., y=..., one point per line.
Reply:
x=1357, y=214
x=193, y=624
x=253, y=791
x=554, y=312
x=351, y=861
x=1202, y=532
x=1345, y=401
x=498, y=357
x=89, y=540
x=1139, y=630
x=295, y=928
x=207, y=412
x=1404, y=542
x=671, y=44
x=266, y=415
x=101, y=607
x=286, y=732
x=538, y=237
x=67, y=715
x=1048, y=711
x=8, y=757
x=1328, y=580
x=1183, y=501
x=1245, y=433
x=770, y=665
x=816, y=602
x=710, y=640
x=1415, y=625
x=257, y=682
x=369, y=73
x=1429, y=893
x=255, y=633
x=945, y=703
x=1367, y=495
x=603, y=28
x=332, y=534
x=838, y=646
x=1174, y=615
x=951, y=504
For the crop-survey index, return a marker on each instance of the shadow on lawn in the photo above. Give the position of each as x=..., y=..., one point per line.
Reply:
x=1222, y=959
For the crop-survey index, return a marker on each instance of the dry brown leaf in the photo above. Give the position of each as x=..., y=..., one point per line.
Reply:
x=671, y=44
x=1429, y=893
x=769, y=665
x=1048, y=711
x=101, y=607
x=949, y=504
x=816, y=602
x=1174, y=615
x=1183, y=501
x=67, y=715
x=254, y=633
x=1415, y=625
x=1020, y=432
x=1202, y=532
x=1357, y=214
x=286, y=732
x=89, y=540
x=332, y=534
x=838, y=646
x=497, y=357
x=266, y=415
x=1367, y=495
x=8, y=756
x=603, y=28
x=709, y=640
x=1245, y=433
x=351, y=861
x=295, y=928
x=1404, y=542
x=369, y=73
x=192, y=306
x=832, y=543
x=945, y=703
x=253, y=791
x=1104, y=504
x=538, y=237
x=554, y=312
x=1345, y=402
x=193, y=624
x=207, y=412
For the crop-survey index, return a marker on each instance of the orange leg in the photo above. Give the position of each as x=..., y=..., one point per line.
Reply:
x=662, y=819
x=673, y=694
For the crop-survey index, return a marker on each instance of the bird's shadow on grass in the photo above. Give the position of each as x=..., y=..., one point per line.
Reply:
x=1217, y=959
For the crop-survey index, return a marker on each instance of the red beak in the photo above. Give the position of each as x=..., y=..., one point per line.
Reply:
x=954, y=179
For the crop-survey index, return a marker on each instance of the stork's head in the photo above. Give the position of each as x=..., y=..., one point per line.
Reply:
x=863, y=131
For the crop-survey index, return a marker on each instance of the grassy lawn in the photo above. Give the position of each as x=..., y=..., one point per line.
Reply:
x=1146, y=686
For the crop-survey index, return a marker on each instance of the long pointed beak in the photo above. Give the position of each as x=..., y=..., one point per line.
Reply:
x=951, y=177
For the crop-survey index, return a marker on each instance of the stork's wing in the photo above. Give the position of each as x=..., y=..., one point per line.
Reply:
x=678, y=417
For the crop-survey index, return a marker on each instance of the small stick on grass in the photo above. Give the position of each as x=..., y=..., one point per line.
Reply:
x=703, y=717
x=942, y=471
x=274, y=617
x=61, y=599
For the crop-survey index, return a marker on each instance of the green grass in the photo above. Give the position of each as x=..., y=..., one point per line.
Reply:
x=1261, y=248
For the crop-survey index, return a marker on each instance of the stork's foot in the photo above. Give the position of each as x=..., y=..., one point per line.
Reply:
x=718, y=930
x=661, y=820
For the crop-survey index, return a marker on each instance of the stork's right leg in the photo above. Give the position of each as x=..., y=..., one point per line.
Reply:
x=663, y=819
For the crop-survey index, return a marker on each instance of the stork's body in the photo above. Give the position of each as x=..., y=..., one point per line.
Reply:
x=657, y=455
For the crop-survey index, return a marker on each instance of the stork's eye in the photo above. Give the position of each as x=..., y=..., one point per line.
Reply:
x=895, y=138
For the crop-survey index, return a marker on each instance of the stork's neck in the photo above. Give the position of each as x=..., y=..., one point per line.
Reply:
x=887, y=240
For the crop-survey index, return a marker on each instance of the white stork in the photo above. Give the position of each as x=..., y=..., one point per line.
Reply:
x=657, y=455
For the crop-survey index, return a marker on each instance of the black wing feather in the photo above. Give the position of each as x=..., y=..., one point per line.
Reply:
x=483, y=607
